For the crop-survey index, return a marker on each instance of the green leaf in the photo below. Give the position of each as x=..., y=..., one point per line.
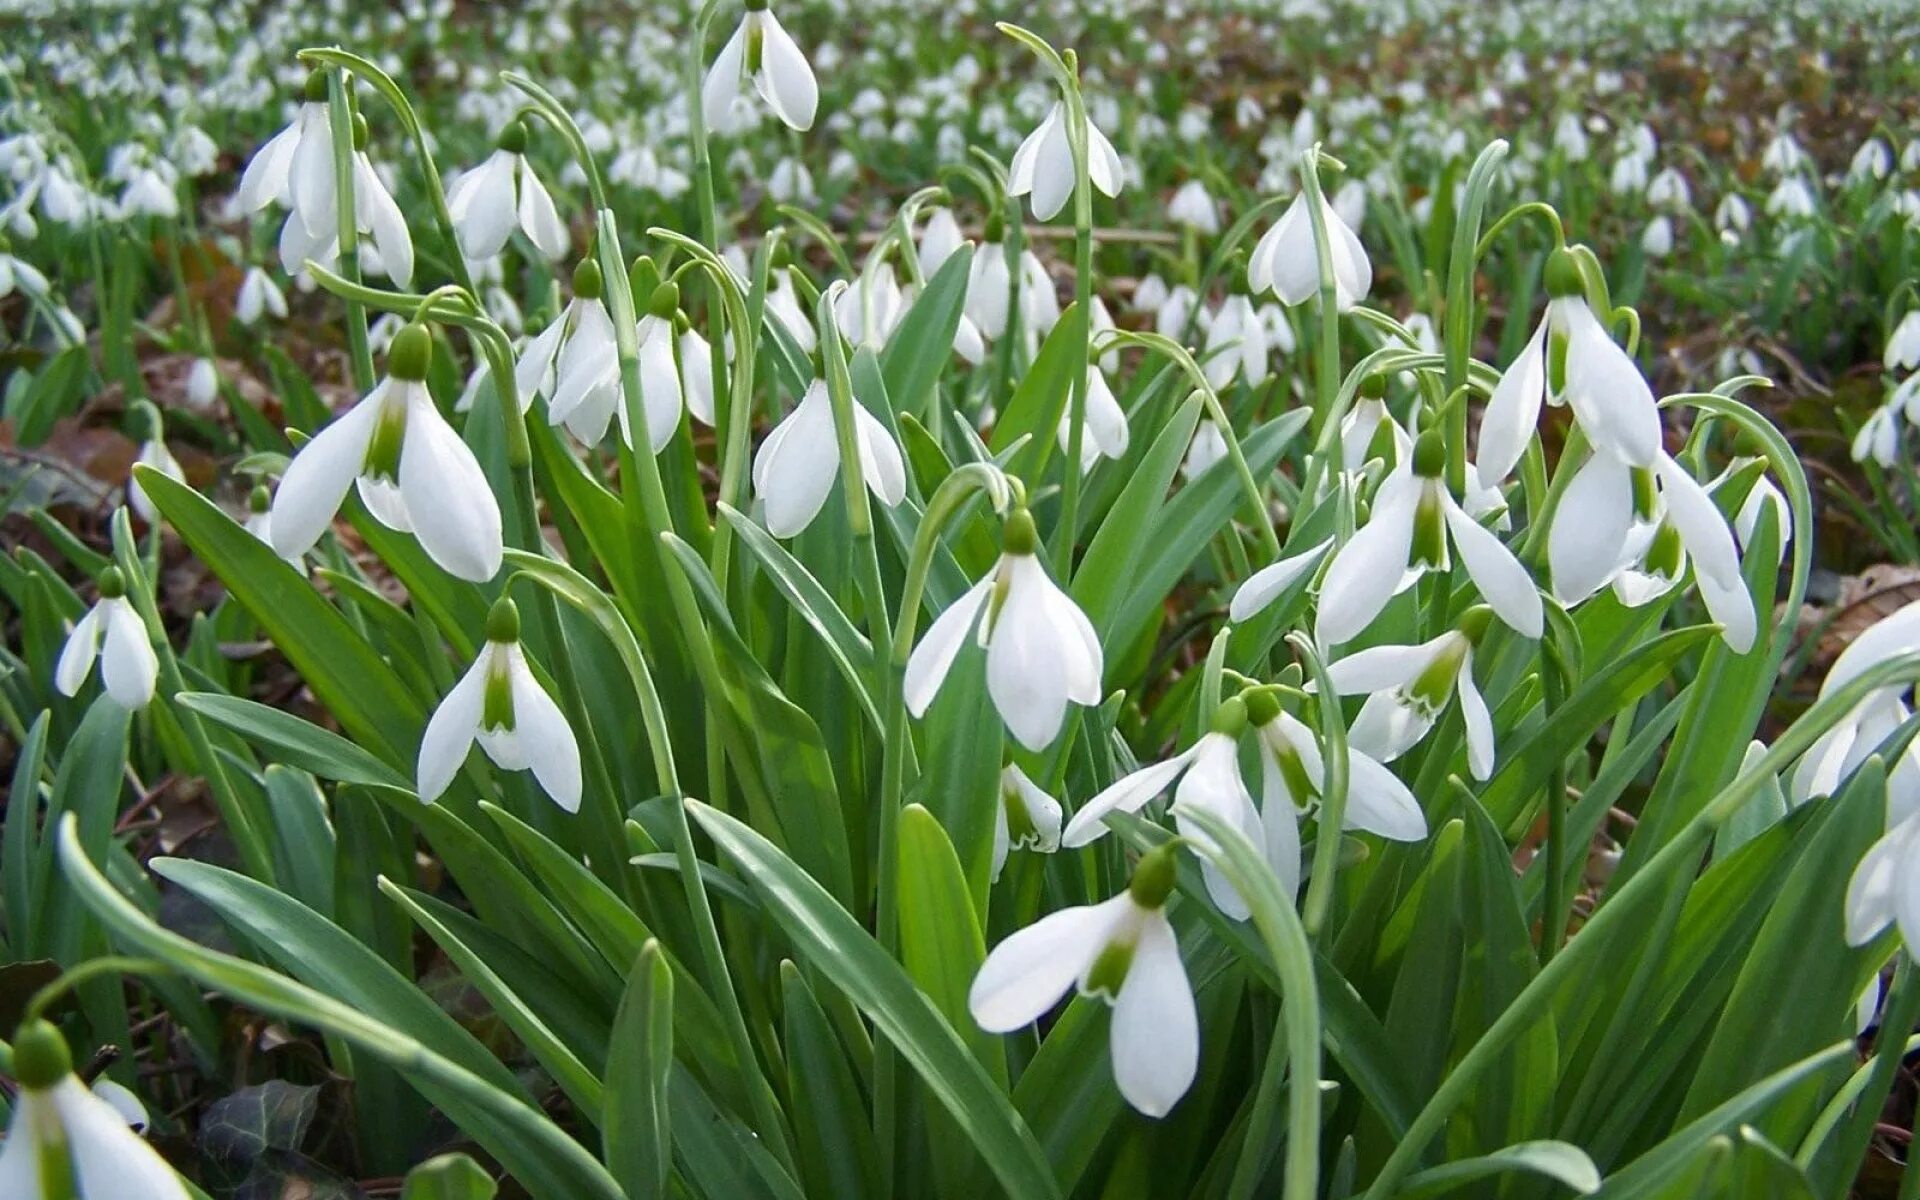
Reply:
x=835, y=945
x=295, y=742
x=940, y=941
x=1557, y=1161
x=639, y=1149
x=87, y=787
x=373, y=706
x=1104, y=574
x=448, y=1177
x=1033, y=411
x=20, y=859
x=831, y=1129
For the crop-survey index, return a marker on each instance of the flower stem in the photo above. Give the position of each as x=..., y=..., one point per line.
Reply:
x=340, y=124
x=1067, y=533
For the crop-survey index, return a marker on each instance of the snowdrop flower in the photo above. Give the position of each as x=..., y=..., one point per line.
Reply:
x=1791, y=199
x=258, y=295
x=696, y=374
x=112, y=632
x=1570, y=359
x=312, y=229
x=488, y=201
x=1043, y=165
x=59, y=1124
x=761, y=50
x=1041, y=649
x=1880, y=713
x=1194, y=208
x=1209, y=446
x=868, y=309
x=259, y=523
x=153, y=453
x=1872, y=161
x=1236, y=344
x=1100, y=323
x=1265, y=586
x=1879, y=437
x=412, y=470
x=1123, y=952
x=1414, y=519
x=203, y=385
x=1105, y=433
x=1408, y=687
x=18, y=272
x=501, y=705
x=1880, y=892
x=574, y=362
x=661, y=397
x=148, y=194
x=1026, y=819
x=1293, y=779
x=1783, y=154
x=796, y=466
x=1208, y=775
x=1656, y=241
x=1732, y=215
x=269, y=174
x=1669, y=190
x=1350, y=202
x=1570, y=138
x=1903, y=344
x=1149, y=294
x=791, y=183
x=1629, y=176
x=1179, y=306
x=783, y=301
x=1360, y=427
x=939, y=241
x=1286, y=262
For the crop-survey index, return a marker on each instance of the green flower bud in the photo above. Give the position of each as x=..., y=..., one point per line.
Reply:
x=503, y=621
x=1262, y=704
x=113, y=584
x=315, y=91
x=360, y=132
x=513, y=138
x=40, y=1056
x=410, y=353
x=995, y=232
x=586, y=279
x=1230, y=718
x=260, y=499
x=1154, y=876
x=642, y=277
x=1429, y=455
x=665, y=301
x=1373, y=387
x=1563, y=275
x=1020, y=537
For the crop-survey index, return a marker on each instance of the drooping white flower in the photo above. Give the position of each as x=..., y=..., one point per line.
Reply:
x=762, y=51
x=1414, y=520
x=259, y=523
x=1042, y=167
x=149, y=194
x=939, y=240
x=18, y=272
x=413, y=472
x=1266, y=585
x=795, y=469
x=1042, y=651
x=87, y=1142
x=1208, y=447
x=1783, y=155
x=1668, y=190
x=1286, y=262
x=1408, y=687
x=1294, y=779
x=783, y=301
x=1873, y=161
x=1656, y=240
x=1836, y=754
x=112, y=633
x=1105, y=433
x=1629, y=175
x=574, y=363
x=1878, y=438
x=1122, y=951
x=1570, y=359
x=312, y=231
x=268, y=177
x=501, y=705
x=1026, y=819
x=869, y=308
x=1149, y=294
x=1732, y=216
x=203, y=385
x=1570, y=138
x=1882, y=891
x=1236, y=344
x=258, y=295
x=1903, y=344
x=1791, y=198
x=696, y=375
x=153, y=453
x=487, y=202
x=1194, y=208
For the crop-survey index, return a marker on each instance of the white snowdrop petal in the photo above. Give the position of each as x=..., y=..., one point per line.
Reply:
x=1127, y=794
x=1264, y=586
x=450, y=731
x=1513, y=411
x=1378, y=802
x=110, y=1159
x=1501, y=579
x=722, y=86
x=1586, y=541
x=539, y=219
x=546, y=739
x=1155, y=1037
x=659, y=383
x=1026, y=974
x=795, y=475
x=453, y=509
x=1479, y=722
x=128, y=665
x=321, y=472
x=1378, y=668
x=78, y=654
x=881, y=464
x=1023, y=678
x=927, y=667
x=1702, y=529
x=786, y=80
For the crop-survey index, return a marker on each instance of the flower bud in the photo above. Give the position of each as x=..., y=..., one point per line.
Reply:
x=1230, y=718
x=410, y=353
x=503, y=621
x=586, y=280
x=1563, y=274
x=40, y=1056
x=1155, y=875
x=260, y=499
x=1475, y=622
x=665, y=301
x=513, y=138
x=315, y=91
x=112, y=584
x=1262, y=706
x=360, y=132
x=1020, y=538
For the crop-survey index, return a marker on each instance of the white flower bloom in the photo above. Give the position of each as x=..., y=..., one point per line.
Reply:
x=1265, y=586
x=1176, y=310
x=783, y=301
x=1350, y=203
x=203, y=385
x=1286, y=262
x=501, y=705
x=575, y=364
x=1903, y=344
x=939, y=240
x=760, y=50
x=1105, y=434
x=1879, y=437
x=1872, y=161
x=150, y=195
x=1149, y=294
x=258, y=295
x=153, y=453
x=1209, y=446
x=1026, y=819
x=1415, y=518
x=18, y=272
x=1656, y=240
x=1408, y=687
x=1791, y=198
x=1042, y=651
x=1629, y=176
x=1236, y=344
x=1194, y=208
x=113, y=633
x=868, y=309
x=696, y=375
x=259, y=523
x=1122, y=951
x=268, y=177
x=1883, y=888
x=312, y=230
x=1570, y=138
x=413, y=472
x=1570, y=359
x=796, y=466
x=1043, y=165
x=57, y=1122
x=487, y=202
x=1878, y=715
x=1732, y=215
x=1783, y=154
x=1668, y=190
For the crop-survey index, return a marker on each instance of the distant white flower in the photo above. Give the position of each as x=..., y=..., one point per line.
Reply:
x=939, y=240
x=18, y=272
x=1629, y=176
x=1668, y=190
x=783, y=301
x=1903, y=344
x=268, y=177
x=869, y=308
x=1732, y=216
x=1149, y=294
x=1105, y=434
x=487, y=202
x=1879, y=437
x=696, y=375
x=1656, y=240
x=1791, y=198
x=1236, y=344
x=1209, y=446
x=412, y=469
x=1872, y=161
x=258, y=295
x=86, y=1141
x=1026, y=819
x=113, y=633
x=1408, y=687
x=796, y=466
x=1176, y=309
x=1042, y=651
x=761, y=50
x=1414, y=519
x=1783, y=155
x=1192, y=207
x=791, y=183
x=153, y=453
x=1042, y=167
x=203, y=385
x=1122, y=951
x=501, y=705
x=1286, y=261
x=1570, y=138
x=149, y=194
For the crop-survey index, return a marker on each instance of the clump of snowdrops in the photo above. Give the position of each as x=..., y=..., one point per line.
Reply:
x=1009, y=751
